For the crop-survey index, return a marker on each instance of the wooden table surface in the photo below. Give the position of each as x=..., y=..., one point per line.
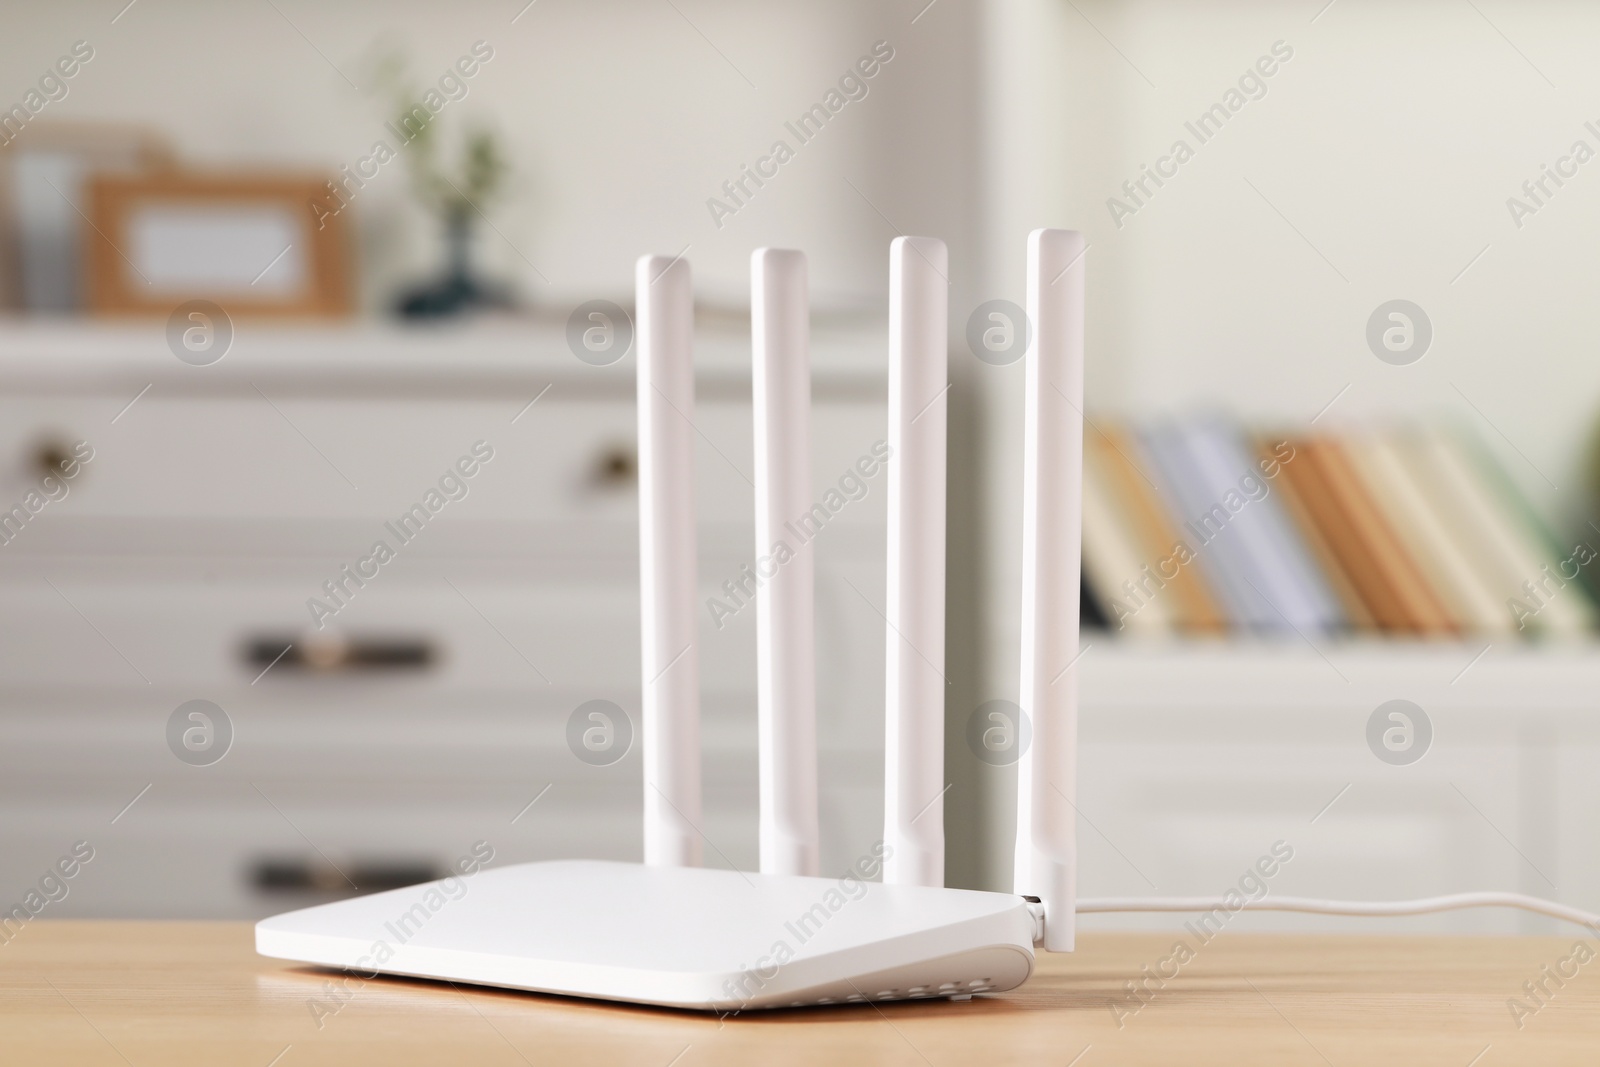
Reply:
x=174, y=994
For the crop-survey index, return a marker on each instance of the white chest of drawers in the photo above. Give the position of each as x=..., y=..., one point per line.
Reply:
x=220, y=502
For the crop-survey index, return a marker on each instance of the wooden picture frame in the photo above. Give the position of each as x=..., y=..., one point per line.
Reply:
x=158, y=240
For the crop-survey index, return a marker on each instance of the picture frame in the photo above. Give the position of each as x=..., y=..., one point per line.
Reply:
x=250, y=244
x=44, y=182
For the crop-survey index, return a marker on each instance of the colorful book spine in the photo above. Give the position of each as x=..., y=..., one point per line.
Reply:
x=1426, y=534
x=1356, y=613
x=1112, y=562
x=1419, y=607
x=1283, y=569
x=1568, y=562
x=1520, y=572
x=1221, y=559
x=1168, y=559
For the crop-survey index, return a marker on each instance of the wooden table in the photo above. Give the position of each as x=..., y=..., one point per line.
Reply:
x=174, y=994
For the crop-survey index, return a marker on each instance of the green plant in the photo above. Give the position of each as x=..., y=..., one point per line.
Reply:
x=448, y=188
x=477, y=176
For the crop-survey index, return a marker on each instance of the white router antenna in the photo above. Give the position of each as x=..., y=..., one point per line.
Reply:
x=670, y=663
x=1052, y=537
x=913, y=802
x=786, y=686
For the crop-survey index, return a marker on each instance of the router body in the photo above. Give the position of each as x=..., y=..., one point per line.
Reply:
x=669, y=932
x=678, y=937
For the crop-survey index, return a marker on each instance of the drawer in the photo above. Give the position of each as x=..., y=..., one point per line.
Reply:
x=376, y=783
x=306, y=458
x=480, y=633
x=565, y=621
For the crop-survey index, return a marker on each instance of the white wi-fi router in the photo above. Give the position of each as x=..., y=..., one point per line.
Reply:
x=670, y=932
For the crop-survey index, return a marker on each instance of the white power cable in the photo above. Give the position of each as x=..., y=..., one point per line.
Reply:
x=1422, y=906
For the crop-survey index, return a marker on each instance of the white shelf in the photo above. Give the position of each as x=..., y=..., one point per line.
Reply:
x=84, y=355
x=1230, y=675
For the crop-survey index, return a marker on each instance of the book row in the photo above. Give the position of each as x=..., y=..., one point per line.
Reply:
x=1196, y=525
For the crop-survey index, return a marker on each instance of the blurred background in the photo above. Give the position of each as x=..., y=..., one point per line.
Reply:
x=285, y=282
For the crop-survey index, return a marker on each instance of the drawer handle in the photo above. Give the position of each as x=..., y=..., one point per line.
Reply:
x=281, y=875
x=53, y=458
x=327, y=655
x=616, y=467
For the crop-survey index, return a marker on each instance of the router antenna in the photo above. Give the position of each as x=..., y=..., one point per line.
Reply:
x=1052, y=537
x=786, y=684
x=913, y=803
x=670, y=663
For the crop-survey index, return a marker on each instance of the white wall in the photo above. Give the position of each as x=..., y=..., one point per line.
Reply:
x=622, y=118
x=1391, y=142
